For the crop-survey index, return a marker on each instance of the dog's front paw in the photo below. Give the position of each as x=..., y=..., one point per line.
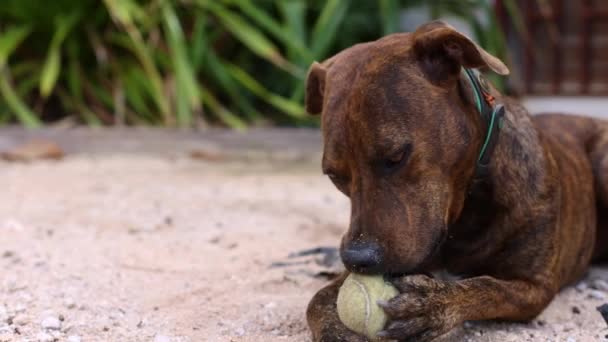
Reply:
x=422, y=311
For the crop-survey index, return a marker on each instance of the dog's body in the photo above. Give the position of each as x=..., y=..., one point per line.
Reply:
x=402, y=137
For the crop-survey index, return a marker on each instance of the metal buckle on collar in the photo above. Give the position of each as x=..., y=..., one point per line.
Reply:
x=491, y=113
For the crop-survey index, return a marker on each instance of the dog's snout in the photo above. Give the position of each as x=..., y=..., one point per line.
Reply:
x=362, y=257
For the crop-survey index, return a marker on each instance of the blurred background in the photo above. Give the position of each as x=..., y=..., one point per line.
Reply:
x=241, y=63
x=161, y=180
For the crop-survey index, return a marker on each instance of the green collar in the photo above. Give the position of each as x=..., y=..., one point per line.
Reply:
x=491, y=114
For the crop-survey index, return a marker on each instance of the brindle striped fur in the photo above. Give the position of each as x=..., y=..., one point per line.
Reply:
x=515, y=238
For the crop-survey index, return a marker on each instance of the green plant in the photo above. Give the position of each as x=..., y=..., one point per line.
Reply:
x=182, y=62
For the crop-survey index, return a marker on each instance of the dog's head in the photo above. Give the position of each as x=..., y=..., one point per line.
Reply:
x=400, y=140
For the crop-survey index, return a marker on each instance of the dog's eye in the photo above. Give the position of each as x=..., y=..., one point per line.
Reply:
x=397, y=160
x=393, y=161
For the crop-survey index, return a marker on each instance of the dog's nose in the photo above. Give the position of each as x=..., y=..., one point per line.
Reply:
x=362, y=257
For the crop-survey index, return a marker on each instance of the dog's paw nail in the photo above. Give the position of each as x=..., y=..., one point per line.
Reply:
x=383, y=333
x=382, y=303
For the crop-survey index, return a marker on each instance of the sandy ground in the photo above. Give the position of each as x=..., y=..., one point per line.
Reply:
x=126, y=247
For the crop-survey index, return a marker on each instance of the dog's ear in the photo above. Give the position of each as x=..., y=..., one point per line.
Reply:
x=442, y=51
x=315, y=88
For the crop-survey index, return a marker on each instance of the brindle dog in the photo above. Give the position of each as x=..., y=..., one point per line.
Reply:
x=402, y=136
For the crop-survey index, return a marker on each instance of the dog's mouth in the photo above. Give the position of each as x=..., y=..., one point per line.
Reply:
x=426, y=265
x=434, y=251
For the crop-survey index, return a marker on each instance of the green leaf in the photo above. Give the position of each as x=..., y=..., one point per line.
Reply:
x=389, y=15
x=288, y=107
x=127, y=12
x=102, y=94
x=294, y=14
x=137, y=91
x=223, y=114
x=323, y=34
x=214, y=71
x=326, y=27
x=20, y=109
x=50, y=72
x=52, y=64
x=123, y=11
x=186, y=85
x=10, y=40
x=291, y=36
x=74, y=70
x=251, y=37
x=199, y=44
x=78, y=107
x=27, y=84
x=24, y=68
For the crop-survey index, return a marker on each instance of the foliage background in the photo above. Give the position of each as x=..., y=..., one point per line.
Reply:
x=187, y=63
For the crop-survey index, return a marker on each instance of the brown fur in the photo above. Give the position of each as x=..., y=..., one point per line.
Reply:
x=402, y=136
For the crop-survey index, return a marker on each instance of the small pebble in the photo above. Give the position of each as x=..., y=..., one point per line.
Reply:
x=51, y=323
x=44, y=337
x=600, y=284
x=8, y=254
x=20, y=308
x=569, y=326
x=576, y=310
x=162, y=338
x=74, y=338
x=597, y=294
x=582, y=286
x=20, y=319
x=66, y=327
x=69, y=303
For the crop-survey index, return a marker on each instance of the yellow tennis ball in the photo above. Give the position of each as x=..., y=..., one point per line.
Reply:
x=357, y=307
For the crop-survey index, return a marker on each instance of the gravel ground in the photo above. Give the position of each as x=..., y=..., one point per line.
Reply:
x=131, y=247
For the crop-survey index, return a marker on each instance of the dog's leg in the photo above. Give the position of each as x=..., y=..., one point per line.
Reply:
x=322, y=316
x=428, y=308
x=599, y=160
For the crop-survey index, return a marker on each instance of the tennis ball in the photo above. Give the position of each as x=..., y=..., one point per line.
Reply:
x=357, y=307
